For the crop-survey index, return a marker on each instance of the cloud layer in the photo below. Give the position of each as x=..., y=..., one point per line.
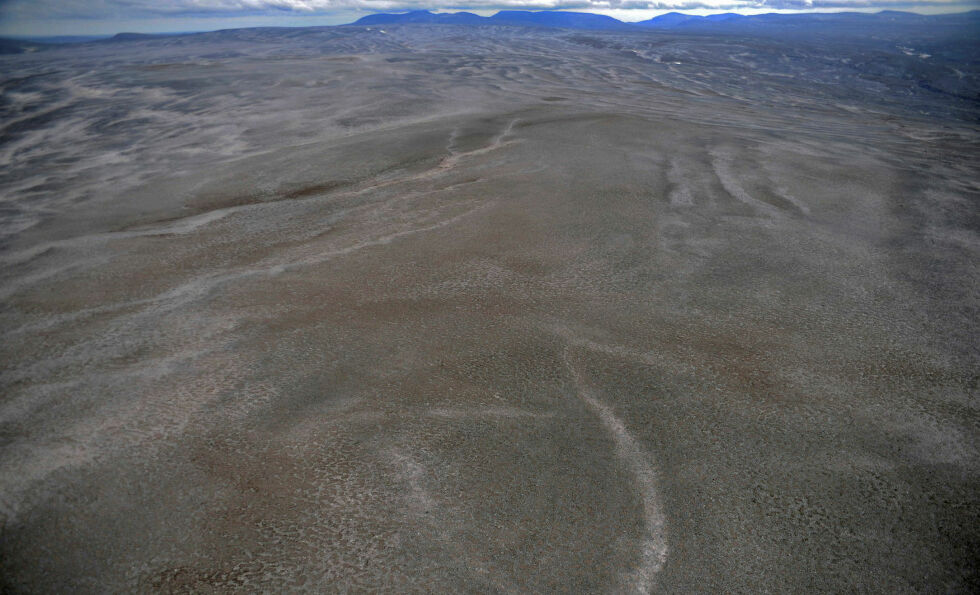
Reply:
x=101, y=9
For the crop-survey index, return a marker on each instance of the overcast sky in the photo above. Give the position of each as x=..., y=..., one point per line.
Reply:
x=86, y=17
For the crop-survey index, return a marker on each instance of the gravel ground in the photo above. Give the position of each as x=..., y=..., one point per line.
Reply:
x=477, y=309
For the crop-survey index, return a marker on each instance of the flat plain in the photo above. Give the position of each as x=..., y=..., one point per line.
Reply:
x=490, y=309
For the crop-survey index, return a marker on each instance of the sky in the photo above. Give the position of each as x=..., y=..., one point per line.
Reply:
x=95, y=17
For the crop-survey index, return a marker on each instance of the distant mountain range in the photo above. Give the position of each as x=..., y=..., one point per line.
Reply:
x=885, y=25
x=546, y=18
x=846, y=21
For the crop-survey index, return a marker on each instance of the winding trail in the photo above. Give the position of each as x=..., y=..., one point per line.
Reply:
x=653, y=546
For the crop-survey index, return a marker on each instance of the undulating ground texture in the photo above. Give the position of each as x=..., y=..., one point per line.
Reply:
x=489, y=309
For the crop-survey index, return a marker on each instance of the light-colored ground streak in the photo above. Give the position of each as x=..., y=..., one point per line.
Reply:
x=283, y=310
x=653, y=548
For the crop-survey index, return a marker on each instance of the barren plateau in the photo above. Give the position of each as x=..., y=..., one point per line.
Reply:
x=447, y=308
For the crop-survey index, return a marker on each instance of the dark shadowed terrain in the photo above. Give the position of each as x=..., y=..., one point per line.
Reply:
x=457, y=308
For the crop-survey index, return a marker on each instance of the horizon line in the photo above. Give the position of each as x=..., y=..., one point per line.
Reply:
x=699, y=12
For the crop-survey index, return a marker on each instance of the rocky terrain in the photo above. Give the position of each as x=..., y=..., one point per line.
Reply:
x=455, y=308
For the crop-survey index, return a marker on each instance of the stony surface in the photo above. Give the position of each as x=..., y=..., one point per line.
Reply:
x=486, y=309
